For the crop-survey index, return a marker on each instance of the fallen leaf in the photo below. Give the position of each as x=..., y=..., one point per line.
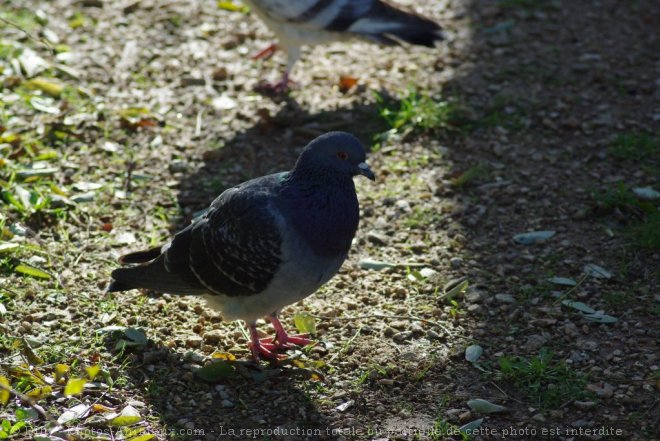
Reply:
x=346, y=83
x=533, y=237
x=565, y=281
x=31, y=271
x=472, y=353
x=129, y=415
x=74, y=386
x=78, y=411
x=597, y=271
x=305, y=323
x=579, y=306
x=4, y=392
x=484, y=406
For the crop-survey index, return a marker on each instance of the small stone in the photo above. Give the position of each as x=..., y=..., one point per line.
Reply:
x=376, y=238
x=535, y=341
x=214, y=336
x=456, y=262
x=504, y=298
x=584, y=404
x=400, y=337
x=193, y=341
x=227, y=404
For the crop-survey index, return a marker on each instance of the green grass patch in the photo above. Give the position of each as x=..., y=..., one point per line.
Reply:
x=642, y=218
x=420, y=112
x=635, y=147
x=547, y=383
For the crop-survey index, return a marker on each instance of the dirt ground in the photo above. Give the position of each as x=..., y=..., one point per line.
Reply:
x=552, y=126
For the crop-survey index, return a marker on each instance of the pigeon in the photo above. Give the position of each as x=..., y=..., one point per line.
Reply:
x=310, y=22
x=263, y=244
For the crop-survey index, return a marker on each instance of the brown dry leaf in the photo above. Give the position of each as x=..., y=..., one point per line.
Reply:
x=346, y=83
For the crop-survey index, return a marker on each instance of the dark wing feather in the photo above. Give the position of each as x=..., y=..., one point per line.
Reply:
x=233, y=249
x=368, y=17
x=236, y=247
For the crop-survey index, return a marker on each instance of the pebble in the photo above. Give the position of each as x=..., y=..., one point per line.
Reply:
x=193, y=341
x=214, y=336
x=227, y=404
x=376, y=238
x=504, y=298
x=400, y=337
x=456, y=262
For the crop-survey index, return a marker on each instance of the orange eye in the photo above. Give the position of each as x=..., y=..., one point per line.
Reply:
x=342, y=155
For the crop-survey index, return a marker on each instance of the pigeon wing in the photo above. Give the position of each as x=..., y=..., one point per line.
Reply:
x=235, y=248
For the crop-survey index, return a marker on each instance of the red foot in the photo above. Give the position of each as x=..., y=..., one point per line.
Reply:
x=266, y=52
x=275, y=88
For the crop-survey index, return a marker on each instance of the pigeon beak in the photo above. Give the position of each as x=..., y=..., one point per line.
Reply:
x=364, y=170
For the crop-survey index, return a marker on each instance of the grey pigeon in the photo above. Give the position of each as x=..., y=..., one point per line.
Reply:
x=265, y=243
x=309, y=22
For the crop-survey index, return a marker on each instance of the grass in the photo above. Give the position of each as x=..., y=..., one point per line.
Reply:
x=642, y=218
x=542, y=380
x=420, y=112
x=635, y=146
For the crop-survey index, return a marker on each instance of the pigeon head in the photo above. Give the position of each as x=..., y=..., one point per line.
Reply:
x=335, y=152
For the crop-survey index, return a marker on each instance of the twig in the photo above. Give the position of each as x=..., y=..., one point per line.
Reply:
x=29, y=35
x=396, y=317
x=28, y=401
x=346, y=346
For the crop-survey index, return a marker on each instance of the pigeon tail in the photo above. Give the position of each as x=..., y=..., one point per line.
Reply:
x=152, y=276
x=388, y=25
x=140, y=256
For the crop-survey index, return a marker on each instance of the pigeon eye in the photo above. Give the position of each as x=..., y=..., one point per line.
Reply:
x=342, y=155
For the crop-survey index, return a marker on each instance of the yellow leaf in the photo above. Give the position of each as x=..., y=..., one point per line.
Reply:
x=145, y=437
x=40, y=392
x=92, y=371
x=46, y=86
x=60, y=371
x=100, y=408
x=233, y=7
x=223, y=356
x=4, y=391
x=74, y=386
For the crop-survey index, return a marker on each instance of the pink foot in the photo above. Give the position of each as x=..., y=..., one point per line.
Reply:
x=275, y=88
x=262, y=348
x=284, y=340
x=266, y=52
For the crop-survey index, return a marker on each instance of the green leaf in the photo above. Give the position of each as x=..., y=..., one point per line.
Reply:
x=31, y=271
x=217, y=370
x=305, y=323
x=74, y=386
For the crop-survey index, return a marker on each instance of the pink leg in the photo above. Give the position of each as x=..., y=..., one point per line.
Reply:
x=280, y=87
x=266, y=52
x=284, y=340
x=261, y=348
